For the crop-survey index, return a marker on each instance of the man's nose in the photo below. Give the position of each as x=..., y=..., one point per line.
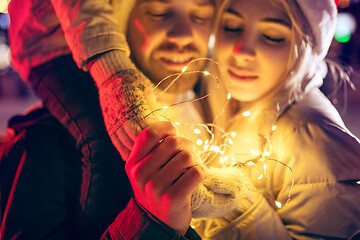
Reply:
x=181, y=33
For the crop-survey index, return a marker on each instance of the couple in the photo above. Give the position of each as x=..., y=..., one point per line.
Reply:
x=272, y=52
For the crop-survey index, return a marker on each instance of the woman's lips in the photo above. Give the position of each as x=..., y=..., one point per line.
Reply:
x=242, y=75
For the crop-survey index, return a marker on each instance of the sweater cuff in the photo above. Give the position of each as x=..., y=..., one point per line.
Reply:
x=108, y=64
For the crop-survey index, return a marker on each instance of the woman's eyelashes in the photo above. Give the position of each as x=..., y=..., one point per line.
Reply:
x=238, y=29
x=274, y=40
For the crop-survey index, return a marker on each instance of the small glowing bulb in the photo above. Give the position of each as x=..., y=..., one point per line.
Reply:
x=199, y=142
x=165, y=107
x=278, y=204
x=261, y=176
x=184, y=69
x=214, y=148
x=254, y=152
x=231, y=141
x=211, y=42
x=177, y=123
x=233, y=134
x=207, y=141
x=229, y=96
x=197, y=131
x=226, y=158
x=206, y=147
x=246, y=114
x=192, y=226
x=262, y=159
x=267, y=154
x=206, y=73
x=265, y=166
x=251, y=163
x=358, y=182
x=274, y=127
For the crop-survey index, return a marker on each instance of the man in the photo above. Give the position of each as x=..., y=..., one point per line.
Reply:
x=41, y=169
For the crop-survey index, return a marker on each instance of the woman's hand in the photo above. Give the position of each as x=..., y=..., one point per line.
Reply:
x=164, y=171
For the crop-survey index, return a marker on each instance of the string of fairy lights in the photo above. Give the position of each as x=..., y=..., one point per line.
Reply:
x=211, y=149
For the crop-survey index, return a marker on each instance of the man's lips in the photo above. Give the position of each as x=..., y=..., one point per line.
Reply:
x=176, y=60
x=242, y=75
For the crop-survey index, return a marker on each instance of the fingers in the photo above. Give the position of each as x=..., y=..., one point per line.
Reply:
x=174, y=169
x=159, y=157
x=149, y=138
x=185, y=185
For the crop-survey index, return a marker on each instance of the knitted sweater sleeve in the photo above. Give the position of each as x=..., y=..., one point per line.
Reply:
x=90, y=28
x=125, y=98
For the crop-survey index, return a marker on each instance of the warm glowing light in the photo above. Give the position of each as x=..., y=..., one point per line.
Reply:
x=233, y=134
x=251, y=163
x=192, y=226
x=267, y=154
x=261, y=176
x=278, y=204
x=177, y=123
x=214, y=148
x=254, y=151
x=211, y=42
x=262, y=159
x=265, y=166
x=229, y=96
x=358, y=182
x=184, y=69
x=165, y=107
x=199, y=142
x=231, y=141
x=197, y=131
x=206, y=73
x=274, y=127
x=246, y=114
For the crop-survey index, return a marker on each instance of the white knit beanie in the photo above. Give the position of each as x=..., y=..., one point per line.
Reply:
x=321, y=16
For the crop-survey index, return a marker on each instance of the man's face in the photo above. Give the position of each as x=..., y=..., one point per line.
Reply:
x=165, y=35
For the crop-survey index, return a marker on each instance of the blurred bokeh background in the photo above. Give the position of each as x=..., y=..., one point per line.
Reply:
x=16, y=96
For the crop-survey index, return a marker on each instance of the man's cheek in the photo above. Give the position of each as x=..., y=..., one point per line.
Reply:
x=142, y=36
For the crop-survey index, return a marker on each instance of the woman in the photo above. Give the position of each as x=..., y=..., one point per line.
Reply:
x=301, y=163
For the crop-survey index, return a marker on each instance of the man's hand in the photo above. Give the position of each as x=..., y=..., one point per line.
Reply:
x=164, y=171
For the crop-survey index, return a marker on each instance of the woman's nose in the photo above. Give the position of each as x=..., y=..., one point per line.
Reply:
x=244, y=51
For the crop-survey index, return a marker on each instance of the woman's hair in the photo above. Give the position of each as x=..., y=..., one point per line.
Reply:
x=305, y=61
x=303, y=64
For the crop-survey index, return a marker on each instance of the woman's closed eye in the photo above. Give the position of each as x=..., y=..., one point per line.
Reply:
x=273, y=39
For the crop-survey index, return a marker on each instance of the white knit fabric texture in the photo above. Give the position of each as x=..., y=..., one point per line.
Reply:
x=220, y=193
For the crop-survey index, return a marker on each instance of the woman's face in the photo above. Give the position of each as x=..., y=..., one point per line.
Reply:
x=253, y=44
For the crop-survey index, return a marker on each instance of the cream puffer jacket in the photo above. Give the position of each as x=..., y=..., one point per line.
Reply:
x=313, y=171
